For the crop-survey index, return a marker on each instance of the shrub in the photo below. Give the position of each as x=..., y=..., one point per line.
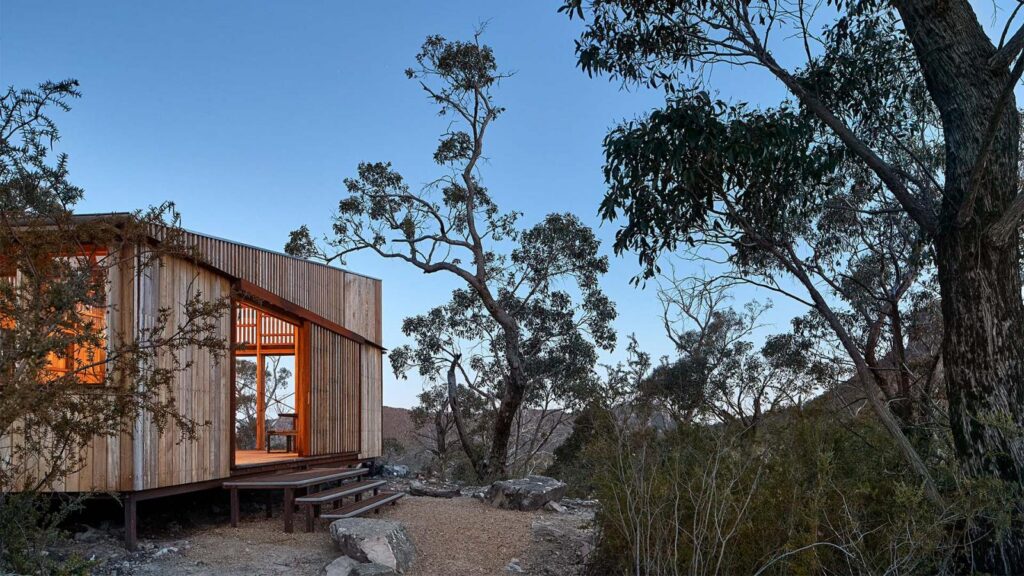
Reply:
x=807, y=495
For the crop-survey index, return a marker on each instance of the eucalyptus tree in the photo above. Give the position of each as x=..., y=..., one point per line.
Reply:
x=718, y=373
x=515, y=298
x=913, y=94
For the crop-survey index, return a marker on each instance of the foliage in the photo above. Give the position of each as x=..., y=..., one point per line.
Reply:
x=809, y=497
x=828, y=198
x=30, y=526
x=525, y=328
x=67, y=377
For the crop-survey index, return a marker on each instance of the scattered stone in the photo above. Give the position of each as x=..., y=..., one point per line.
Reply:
x=381, y=541
x=527, y=494
x=474, y=491
x=440, y=490
x=164, y=551
x=554, y=507
x=578, y=503
x=395, y=470
x=514, y=567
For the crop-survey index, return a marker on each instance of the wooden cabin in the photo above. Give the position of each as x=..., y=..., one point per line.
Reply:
x=323, y=323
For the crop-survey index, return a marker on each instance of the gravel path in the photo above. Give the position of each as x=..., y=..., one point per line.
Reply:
x=462, y=536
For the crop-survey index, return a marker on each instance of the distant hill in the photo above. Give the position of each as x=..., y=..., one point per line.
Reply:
x=398, y=425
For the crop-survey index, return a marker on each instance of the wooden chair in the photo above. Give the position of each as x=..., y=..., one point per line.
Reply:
x=284, y=425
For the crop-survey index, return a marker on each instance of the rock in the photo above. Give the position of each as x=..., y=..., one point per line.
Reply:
x=90, y=534
x=554, y=507
x=381, y=541
x=165, y=551
x=372, y=569
x=530, y=493
x=345, y=566
x=442, y=490
x=342, y=566
x=395, y=470
x=581, y=504
x=545, y=531
x=514, y=567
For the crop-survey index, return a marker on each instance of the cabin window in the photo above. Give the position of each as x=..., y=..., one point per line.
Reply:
x=86, y=361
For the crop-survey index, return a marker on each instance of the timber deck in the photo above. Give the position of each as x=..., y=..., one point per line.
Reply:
x=288, y=482
x=373, y=503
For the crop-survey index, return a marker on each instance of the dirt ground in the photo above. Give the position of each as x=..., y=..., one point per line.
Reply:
x=462, y=536
x=456, y=537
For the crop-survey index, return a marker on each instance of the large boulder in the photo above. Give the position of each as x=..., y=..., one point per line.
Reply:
x=434, y=490
x=382, y=542
x=530, y=493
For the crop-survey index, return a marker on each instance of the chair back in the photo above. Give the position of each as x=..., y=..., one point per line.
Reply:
x=285, y=422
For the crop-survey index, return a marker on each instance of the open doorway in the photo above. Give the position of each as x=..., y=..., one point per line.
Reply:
x=267, y=399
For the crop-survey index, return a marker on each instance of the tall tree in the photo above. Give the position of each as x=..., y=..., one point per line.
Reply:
x=868, y=86
x=453, y=226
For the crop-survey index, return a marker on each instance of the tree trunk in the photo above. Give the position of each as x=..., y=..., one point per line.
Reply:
x=479, y=466
x=983, y=314
x=511, y=401
x=513, y=392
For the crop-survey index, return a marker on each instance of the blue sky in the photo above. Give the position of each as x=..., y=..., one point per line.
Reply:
x=248, y=115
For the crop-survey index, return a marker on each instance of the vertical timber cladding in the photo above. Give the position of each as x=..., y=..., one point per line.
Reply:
x=345, y=380
x=201, y=389
x=372, y=400
x=334, y=390
x=349, y=299
x=107, y=460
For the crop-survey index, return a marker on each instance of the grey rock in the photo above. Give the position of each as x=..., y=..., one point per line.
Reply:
x=439, y=490
x=165, y=551
x=514, y=567
x=372, y=569
x=554, y=507
x=383, y=542
x=342, y=566
x=395, y=470
x=527, y=494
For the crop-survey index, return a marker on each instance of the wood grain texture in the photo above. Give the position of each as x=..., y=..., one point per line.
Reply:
x=334, y=393
x=322, y=289
x=342, y=379
x=372, y=402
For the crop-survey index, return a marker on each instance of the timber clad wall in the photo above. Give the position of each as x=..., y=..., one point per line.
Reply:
x=108, y=461
x=334, y=393
x=201, y=392
x=344, y=382
x=372, y=400
x=348, y=299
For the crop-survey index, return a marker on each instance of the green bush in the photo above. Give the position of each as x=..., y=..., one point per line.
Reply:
x=29, y=527
x=808, y=494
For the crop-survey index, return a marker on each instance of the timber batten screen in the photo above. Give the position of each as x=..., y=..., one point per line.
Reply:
x=335, y=381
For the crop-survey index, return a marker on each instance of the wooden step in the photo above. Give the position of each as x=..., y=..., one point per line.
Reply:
x=363, y=506
x=340, y=492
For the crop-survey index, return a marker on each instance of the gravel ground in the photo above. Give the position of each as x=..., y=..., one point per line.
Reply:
x=462, y=536
x=453, y=537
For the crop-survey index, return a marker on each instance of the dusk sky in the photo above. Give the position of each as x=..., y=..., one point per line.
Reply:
x=248, y=115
